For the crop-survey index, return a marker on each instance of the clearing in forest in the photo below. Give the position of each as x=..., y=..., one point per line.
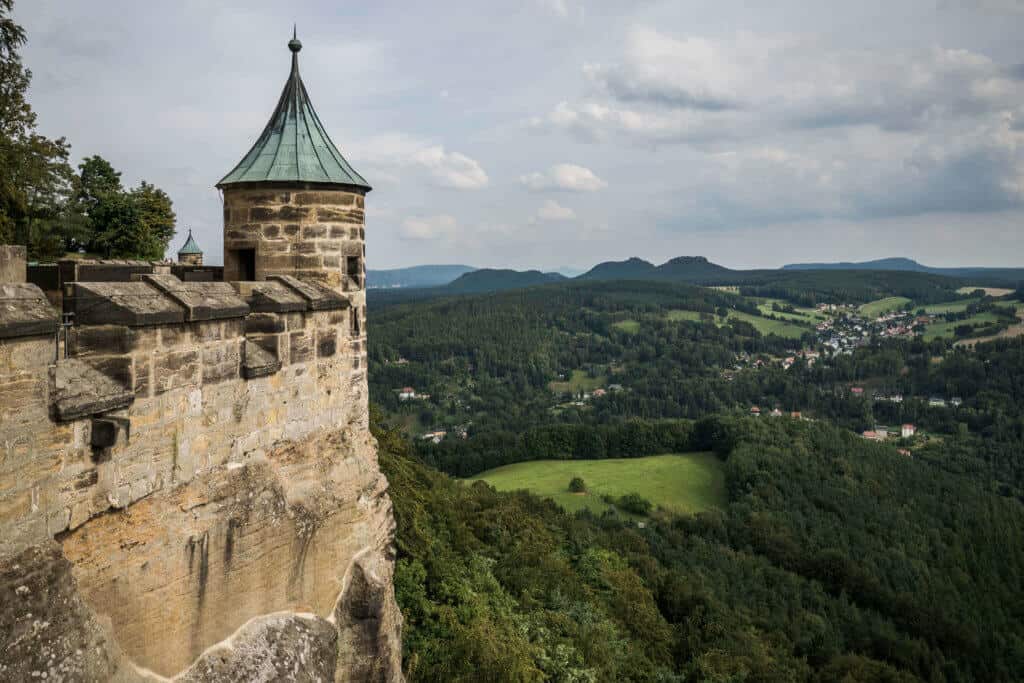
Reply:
x=681, y=483
x=577, y=382
x=990, y=291
x=873, y=309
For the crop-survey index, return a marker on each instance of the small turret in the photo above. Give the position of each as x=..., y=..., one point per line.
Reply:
x=190, y=253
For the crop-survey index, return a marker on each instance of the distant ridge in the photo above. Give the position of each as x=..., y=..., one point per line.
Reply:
x=630, y=269
x=416, y=276
x=906, y=264
x=496, y=280
x=691, y=269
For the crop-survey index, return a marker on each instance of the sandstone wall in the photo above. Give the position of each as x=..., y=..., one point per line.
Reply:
x=203, y=463
x=313, y=234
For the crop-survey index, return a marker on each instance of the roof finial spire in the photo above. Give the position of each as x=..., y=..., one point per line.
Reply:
x=294, y=44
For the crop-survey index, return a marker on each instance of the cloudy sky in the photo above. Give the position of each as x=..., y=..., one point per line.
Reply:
x=560, y=133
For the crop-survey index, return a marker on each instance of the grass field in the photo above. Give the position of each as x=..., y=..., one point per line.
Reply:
x=627, y=326
x=686, y=483
x=949, y=307
x=946, y=329
x=873, y=309
x=677, y=315
x=790, y=330
x=991, y=291
x=808, y=316
x=577, y=382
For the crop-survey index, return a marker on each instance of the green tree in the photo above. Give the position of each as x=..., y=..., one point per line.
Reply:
x=577, y=485
x=121, y=232
x=156, y=211
x=35, y=178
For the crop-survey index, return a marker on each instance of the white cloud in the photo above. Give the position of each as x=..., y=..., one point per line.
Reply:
x=428, y=228
x=393, y=152
x=551, y=210
x=564, y=177
x=668, y=89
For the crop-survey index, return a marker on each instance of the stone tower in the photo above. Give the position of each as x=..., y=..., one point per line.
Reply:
x=293, y=205
x=190, y=253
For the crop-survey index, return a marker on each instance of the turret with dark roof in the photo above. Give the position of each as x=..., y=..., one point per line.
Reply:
x=294, y=146
x=190, y=252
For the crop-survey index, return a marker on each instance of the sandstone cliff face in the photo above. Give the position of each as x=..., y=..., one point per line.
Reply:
x=194, y=496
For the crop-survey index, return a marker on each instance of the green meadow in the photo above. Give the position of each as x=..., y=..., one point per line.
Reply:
x=873, y=309
x=682, y=483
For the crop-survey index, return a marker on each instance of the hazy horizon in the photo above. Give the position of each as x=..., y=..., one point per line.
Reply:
x=564, y=133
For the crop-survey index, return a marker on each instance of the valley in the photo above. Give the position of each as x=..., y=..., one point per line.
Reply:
x=767, y=456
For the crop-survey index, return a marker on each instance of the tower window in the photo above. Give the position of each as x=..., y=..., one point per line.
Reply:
x=243, y=263
x=354, y=270
x=353, y=321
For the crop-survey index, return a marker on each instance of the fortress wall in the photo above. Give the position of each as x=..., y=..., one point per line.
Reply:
x=207, y=469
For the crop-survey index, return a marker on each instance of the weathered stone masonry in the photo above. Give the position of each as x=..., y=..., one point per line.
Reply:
x=226, y=429
x=312, y=234
x=188, y=484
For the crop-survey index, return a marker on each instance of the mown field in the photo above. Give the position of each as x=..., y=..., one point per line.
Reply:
x=791, y=328
x=873, y=309
x=683, y=483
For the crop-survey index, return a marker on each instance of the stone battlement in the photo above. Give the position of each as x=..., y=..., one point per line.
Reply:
x=147, y=357
x=160, y=385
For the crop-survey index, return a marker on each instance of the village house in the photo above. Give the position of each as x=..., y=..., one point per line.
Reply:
x=406, y=394
x=598, y=393
x=434, y=437
x=907, y=431
x=755, y=411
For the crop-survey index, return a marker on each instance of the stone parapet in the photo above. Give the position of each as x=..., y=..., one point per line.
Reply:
x=25, y=312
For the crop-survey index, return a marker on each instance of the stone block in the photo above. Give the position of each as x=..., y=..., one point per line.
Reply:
x=264, y=323
x=335, y=198
x=326, y=343
x=175, y=370
x=85, y=340
x=258, y=362
x=25, y=311
x=301, y=346
x=314, y=231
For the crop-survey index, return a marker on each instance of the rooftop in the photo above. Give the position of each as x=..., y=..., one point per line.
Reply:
x=190, y=246
x=294, y=146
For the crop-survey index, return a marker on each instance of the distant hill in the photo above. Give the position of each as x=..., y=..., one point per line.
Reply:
x=906, y=264
x=630, y=269
x=495, y=280
x=416, y=276
x=691, y=269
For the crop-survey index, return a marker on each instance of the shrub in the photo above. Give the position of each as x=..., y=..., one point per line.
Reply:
x=635, y=504
x=577, y=485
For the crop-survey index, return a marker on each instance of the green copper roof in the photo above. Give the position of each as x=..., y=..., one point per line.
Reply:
x=190, y=246
x=294, y=147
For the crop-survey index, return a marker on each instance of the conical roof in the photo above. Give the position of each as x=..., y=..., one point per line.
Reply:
x=294, y=147
x=190, y=246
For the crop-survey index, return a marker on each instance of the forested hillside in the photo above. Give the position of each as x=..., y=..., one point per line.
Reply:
x=835, y=561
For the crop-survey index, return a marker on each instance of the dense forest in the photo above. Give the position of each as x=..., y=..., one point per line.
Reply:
x=834, y=561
